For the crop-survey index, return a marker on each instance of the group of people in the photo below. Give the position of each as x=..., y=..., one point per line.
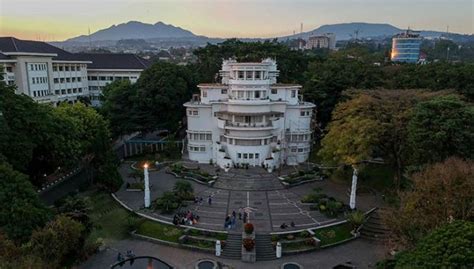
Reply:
x=284, y=225
x=185, y=218
x=121, y=257
x=200, y=200
x=230, y=220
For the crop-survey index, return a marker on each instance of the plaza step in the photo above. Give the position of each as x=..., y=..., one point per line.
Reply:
x=233, y=246
x=374, y=228
x=264, y=247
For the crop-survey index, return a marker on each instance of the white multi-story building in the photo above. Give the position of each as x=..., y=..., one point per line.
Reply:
x=106, y=68
x=325, y=41
x=45, y=73
x=249, y=119
x=51, y=75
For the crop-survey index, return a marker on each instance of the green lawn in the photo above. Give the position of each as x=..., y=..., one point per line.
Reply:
x=110, y=220
x=159, y=231
x=333, y=234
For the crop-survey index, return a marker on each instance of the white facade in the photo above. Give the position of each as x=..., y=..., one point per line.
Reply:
x=249, y=119
x=51, y=75
x=38, y=76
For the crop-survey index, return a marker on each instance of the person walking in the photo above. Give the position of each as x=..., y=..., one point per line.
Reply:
x=232, y=221
x=209, y=200
x=240, y=213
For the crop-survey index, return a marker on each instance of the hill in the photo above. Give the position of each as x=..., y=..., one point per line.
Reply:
x=135, y=30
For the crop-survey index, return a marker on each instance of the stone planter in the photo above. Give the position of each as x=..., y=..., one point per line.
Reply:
x=249, y=256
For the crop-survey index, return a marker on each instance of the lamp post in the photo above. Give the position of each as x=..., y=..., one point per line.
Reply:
x=352, y=200
x=147, y=186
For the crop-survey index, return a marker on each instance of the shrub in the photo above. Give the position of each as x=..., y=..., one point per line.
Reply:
x=356, y=219
x=304, y=234
x=183, y=189
x=248, y=228
x=248, y=243
x=167, y=202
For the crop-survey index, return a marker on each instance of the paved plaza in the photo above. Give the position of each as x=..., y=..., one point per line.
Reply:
x=360, y=252
x=269, y=203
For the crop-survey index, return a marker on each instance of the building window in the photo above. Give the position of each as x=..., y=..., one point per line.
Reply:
x=245, y=156
x=249, y=75
x=204, y=93
x=293, y=93
x=300, y=150
x=250, y=155
x=274, y=91
x=224, y=91
x=241, y=74
x=56, y=92
x=257, y=74
x=257, y=155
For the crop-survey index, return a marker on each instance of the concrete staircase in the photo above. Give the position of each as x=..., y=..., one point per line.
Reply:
x=264, y=247
x=233, y=246
x=374, y=229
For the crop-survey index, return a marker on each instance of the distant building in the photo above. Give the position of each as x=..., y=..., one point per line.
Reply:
x=326, y=41
x=51, y=75
x=104, y=68
x=406, y=47
x=249, y=118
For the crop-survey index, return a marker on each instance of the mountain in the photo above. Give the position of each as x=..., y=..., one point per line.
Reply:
x=135, y=30
x=345, y=31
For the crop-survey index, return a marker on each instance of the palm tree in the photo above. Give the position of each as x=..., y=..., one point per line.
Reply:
x=183, y=189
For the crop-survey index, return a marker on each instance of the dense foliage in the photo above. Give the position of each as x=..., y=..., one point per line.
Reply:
x=441, y=127
x=39, y=143
x=21, y=211
x=441, y=192
x=449, y=246
x=372, y=124
x=154, y=102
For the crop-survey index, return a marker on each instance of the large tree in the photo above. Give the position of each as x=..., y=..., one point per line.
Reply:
x=372, y=124
x=440, y=193
x=326, y=80
x=21, y=211
x=118, y=104
x=440, y=128
x=58, y=240
x=161, y=91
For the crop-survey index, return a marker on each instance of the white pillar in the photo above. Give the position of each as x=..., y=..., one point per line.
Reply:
x=218, y=248
x=278, y=250
x=352, y=201
x=147, y=186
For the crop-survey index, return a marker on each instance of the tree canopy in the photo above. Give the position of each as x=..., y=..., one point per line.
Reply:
x=21, y=211
x=440, y=192
x=441, y=127
x=449, y=246
x=371, y=124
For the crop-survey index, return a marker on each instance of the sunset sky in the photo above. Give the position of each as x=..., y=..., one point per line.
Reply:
x=62, y=19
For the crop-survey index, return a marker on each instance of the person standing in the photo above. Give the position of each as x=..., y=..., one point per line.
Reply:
x=209, y=200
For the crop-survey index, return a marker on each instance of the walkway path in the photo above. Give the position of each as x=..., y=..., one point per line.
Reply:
x=362, y=253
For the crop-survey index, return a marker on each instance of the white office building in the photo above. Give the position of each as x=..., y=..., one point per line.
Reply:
x=249, y=118
x=51, y=75
x=106, y=68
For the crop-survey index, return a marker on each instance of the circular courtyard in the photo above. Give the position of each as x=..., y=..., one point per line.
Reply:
x=255, y=191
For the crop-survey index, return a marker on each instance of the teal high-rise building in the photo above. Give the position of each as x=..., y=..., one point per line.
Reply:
x=406, y=47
